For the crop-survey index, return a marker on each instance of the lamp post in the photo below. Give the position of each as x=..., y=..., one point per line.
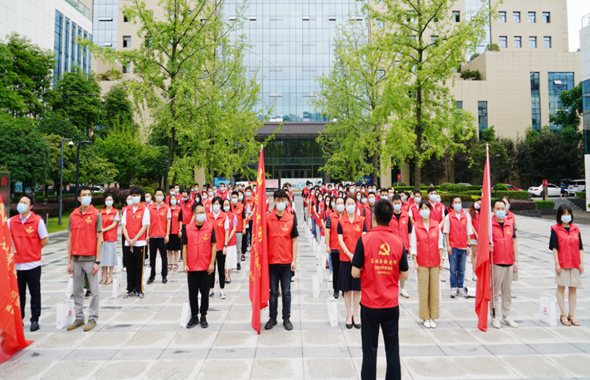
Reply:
x=78, y=166
x=495, y=176
x=61, y=178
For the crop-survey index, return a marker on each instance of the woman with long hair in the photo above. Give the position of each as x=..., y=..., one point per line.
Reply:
x=108, y=256
x=174, y=247
x=473, y=216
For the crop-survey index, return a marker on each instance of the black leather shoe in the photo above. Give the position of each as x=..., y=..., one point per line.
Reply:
x=204, y=323
x=270, y=324
x=34, y=326
x=164, y=280
x=288, y=325
x=150, y=280
x=239, y=267
x=193, y=322
x=336, y=294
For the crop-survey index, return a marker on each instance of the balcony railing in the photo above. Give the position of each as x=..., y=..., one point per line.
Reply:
x=80, y=7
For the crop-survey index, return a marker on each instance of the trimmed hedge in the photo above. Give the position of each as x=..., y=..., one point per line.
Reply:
x=474, y=188
x=518, y=204
x=581, y=195
x=501, y=187
x=447, y=198
x=545, y=205
x=511, y=194
x=453, y=188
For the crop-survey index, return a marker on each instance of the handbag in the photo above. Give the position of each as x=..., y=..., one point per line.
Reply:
x=332, y=311
x=547, y=311
x=315, y=285
x=70, y=288
x=117, y=287
x=64, y=313
x=186, y=315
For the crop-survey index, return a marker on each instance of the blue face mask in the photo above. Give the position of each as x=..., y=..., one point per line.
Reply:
x=108, y=203
x=226, y=208
x=433, y=197
x=129, y=202
x=364, y=200
x=500, y=214
x=201, y=218
x=241, y=197
x=340, y=208
x=234, y=200
x=22, y=208
x=86, y=201
x=457, y=207
x=371, y=200
x=173, y=202
x=350, y=209
x=425, y=213
x=397, y=207
x=281, y=206
x=216, y=208
x=564, y=218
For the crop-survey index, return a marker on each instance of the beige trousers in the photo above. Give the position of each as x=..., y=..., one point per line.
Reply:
x=502, y=280
x=428, y=292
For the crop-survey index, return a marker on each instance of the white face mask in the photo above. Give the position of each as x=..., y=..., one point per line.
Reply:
x=136, y=200
x=148, y=199
x=159, y=198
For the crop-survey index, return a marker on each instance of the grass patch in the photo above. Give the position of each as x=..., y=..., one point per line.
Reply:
x=52, y=225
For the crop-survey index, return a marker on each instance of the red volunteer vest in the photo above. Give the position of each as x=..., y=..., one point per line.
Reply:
x=232, y=241
x=238, y=209
x=218, y=226
x=133, y=221
x=427, y=243
x=406, y=206
x=187, y=210
x=380, y=275
x=198, y=249
x=158, y=221
x=351, y=232
x=26, y=239
x=367, y=216
x=510, y=216
x=400, y=228
x=458, y=231
x=207, y=204
x=280, y=245
x=475, y=224
x=437, y=212
x=107, y=220
x=503, y=242
x=83, y=232
x=174, y=224
x=568, y=253
x=334, y=219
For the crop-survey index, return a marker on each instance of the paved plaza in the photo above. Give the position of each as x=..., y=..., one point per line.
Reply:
x=142, y=339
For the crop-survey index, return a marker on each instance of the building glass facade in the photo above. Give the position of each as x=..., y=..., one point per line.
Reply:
x=482, y=115
x=67, y=53
x=535, y=102
x=105, y=17
x=294, y=158
x=586, y=116
x=471, y=8
x=558, y=82
x=57, y=46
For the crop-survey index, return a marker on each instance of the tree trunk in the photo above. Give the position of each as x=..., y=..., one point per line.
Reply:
x=171, y=140
x=418, y=131
x=375, y=173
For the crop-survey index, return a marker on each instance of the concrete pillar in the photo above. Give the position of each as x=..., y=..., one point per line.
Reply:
x=385, y=176
x=587, y=168
x=199, y=177
x=405, y=174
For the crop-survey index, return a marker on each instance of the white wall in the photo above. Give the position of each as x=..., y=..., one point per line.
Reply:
x=36, y=19
x=585, y=52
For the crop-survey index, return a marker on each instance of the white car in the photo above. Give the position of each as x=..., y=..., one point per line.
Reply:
x=97, y=189
x=552, y=191
x=577, y=185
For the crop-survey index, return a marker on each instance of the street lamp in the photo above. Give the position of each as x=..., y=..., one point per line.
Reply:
x=495, y=176
x=78, y=166
x=61, y=179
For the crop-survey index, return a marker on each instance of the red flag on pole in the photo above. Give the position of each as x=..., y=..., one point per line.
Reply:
x=259, y=281
x=482, y=268
x=12, y=336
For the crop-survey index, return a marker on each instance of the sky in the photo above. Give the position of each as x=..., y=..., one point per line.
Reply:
x=575, y=10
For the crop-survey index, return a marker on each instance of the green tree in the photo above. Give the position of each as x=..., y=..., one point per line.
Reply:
x=122, y=148
x=24, y=151
x=571, y=110
x=77, y=99
x=25, y=77
x=95, y=169
x=497, y=147
x=54, y=175
x=117, y=107
x=56, y=124
x=429, y=46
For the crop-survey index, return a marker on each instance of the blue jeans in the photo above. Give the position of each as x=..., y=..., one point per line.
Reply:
x=330, y=261
x=457, y=264
x=313, y=229
x=282, y=273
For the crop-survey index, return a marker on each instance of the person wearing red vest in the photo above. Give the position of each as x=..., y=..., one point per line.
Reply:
x=473, y=216
x=199, y=249
x=305, y=195
x=568, y=253
x=402, y=228
x=230, y=258
x=249, y=206
x=350, y=228
x=426, y=246
x=174, y=245
x=125, y=248
x=239, y=210
x=171, y=191
x=413, y=212
x=438, y=209
x=504, y=250
x=282, y=234
x=367, y=212
x=84, y=248
x=332, y=244
x=220, y=222
x=108, y=256
x=458, y=231
x=159, y=235
x=186, y=203
x=29, y=235
x=380, y=260
x=509, y=214
x=135, y=221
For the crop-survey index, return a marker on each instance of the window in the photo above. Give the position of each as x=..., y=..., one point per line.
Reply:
x=535, y=102
x=379, y=24
x=459, y=104
x=532, y=17
x=57, y=47
x=126, y=41
x=66, y=46
x=127, y=68
x=503, y=41
x=546, y=18
x=517, y=42
x=558, y=82
x=125, y=19
x=547, y=42
x=533, y=42
x=516, y=17
x=456, y=16
x=502, y=17
x=482, y=115
x=433, y=40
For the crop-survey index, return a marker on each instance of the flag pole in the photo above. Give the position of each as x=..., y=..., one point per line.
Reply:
x=491, y=242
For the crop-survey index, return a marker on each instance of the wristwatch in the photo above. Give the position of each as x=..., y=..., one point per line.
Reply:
x=97, y=262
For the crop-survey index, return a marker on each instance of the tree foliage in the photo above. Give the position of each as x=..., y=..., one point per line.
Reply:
x=118, y=109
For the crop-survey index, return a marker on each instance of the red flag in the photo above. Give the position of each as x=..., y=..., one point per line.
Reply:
x=259, y=281
x=12, y=336
x=482, y=267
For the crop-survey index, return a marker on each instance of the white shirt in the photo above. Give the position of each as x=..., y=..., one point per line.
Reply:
x=447, y=225
x=145, y=221
x=41, y=231
x=414, y=241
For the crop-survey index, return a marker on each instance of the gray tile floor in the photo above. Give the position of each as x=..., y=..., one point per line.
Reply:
x=141, y=339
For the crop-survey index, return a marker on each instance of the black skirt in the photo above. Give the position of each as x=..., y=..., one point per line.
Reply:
x=346, y=282
x=174, y=243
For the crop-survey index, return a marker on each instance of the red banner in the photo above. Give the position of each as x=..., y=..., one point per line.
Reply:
x=259, y=281
x=482, y=268
x=12, y=336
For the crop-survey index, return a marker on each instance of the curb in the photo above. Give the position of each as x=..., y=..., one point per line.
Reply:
x=58, y=233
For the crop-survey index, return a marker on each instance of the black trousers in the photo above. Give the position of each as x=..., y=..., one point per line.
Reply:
x=245, y=235
x=335, y=267
x=32, y=279
x=220, y=265
x=157, y=244
x=388, y=319
x=135, y=261
x=198, y=281
x=125, y=250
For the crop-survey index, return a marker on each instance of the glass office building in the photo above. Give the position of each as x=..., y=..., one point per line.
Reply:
x=586, y=116
x=558, y=82
x=535, y=102
x=67, y=52
x=105, y=17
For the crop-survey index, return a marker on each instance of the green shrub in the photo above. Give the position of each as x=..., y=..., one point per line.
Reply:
x=470, y=74
x=474, y=188
x=446, y=198
x=453, y=188
x=581, y=195
x=402, y=184
x=474, y=192
x=147, y=189
x=501, y=187
x=545, y=205
x=511, y=194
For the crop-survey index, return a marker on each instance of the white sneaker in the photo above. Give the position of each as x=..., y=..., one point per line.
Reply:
x=512, y=294
x=495, y=323
x=222, y=295
x=463, y=293
x=432, y=324
x=199, y=295
x=442, y=279
x=331, y=277
x=404, y=293
x=509, y=322
x=427, y=324
x=453, y=293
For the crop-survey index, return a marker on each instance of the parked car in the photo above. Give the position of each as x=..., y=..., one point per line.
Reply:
x=577, y=185
x=512, y=187
x=552, y=191
x=97, y=189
